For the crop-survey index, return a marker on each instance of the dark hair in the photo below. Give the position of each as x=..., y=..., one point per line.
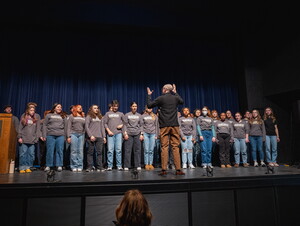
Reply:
x=114, y=102
x=92, y=114
x=132, y=103
x=62, y=114
x=7, y=106
x=133, y=210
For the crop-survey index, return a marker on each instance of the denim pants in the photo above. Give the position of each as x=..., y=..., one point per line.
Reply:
x=26, y=153
x=149, y=143
x=55, y=147
x=187, y=150
x=257, y=145
x=271, y=148
x=240, y=149
x=76, y=154
x=133, y=143
x=114, y=144
x=206, y=147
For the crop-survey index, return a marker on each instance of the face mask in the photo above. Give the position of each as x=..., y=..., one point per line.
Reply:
x=204, y=113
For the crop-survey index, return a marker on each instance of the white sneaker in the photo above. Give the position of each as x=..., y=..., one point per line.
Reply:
x=126, y=169
x=204, y=166
x=262, y=163
x=210, y=166
x=74, y=170
x=109, y=169
x=59, y=169
x=184, y=166
x=120, y=168
x=255, y=164
x=79, y=170
x=139, y=168
x=47, y=169
x=192, y=166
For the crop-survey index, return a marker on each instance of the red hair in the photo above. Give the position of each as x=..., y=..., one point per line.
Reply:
x=75, y=112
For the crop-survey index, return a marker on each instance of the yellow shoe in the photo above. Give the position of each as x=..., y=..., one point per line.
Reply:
x=146, y=167
x=22, y=171
x=28, y=171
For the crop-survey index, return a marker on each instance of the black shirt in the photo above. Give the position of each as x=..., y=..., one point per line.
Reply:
x=168, y=105
x=270, y=127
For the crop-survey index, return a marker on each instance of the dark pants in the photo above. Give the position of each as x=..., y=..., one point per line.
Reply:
x=135, y=143
x=42, y=153
x=224, y=148
x=98, y=145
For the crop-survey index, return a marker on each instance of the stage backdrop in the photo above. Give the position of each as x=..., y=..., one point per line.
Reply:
x=71, y=66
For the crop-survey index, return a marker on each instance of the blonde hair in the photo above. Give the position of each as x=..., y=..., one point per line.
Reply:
x=168, y=87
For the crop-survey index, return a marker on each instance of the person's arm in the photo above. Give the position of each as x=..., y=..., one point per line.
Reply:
x=45, y=124
x=213, y=132
x=264, y=131
x=277, y=133
x=150, y=103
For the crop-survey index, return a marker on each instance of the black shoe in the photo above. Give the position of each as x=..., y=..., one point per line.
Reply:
x=162, y=173
x=179, y=172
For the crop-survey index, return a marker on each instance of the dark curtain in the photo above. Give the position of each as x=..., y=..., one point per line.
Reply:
x=75, y=67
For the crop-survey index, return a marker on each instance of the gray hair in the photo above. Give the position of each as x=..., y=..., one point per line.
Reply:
x=168, y=87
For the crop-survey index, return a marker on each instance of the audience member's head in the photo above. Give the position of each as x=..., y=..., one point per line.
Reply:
x=133, y=210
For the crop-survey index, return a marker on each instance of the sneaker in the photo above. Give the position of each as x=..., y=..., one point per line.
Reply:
x=246, y=165
x=22, y=171
x=276, y=164
x=262, y=164
x=204, y=166
x=109, y=169
x=192, y=166
x=236, y=165
x=28, y=171
x=270, y=164
x=89, y=170
x=151, y=167
x=223, y=166
x=126, y=169
x=228, y=166
x=79, y=170
x=74, y=170
x=255, y=164
x=147, y=167
x=179, y=172
x=139, y=168
x=47, y=169
x=120, y=168
x=184, y=166
x=100, y=169
x=59, y=169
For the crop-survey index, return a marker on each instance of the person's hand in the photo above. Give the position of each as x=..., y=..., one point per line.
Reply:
x=149, y=91
x=20, y=141
x=104, y=140
x=126, y=137
x=278, y=139
x=69, y=140
x=92, y=138
x=120, y=126
x=247, y=140
x=141, y=137
x=213, y=139
x=110, y=133
x=201, y=138
x=183, y=138
x=174, y=88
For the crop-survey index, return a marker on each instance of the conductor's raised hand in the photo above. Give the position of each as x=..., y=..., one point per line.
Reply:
x=149, y=91
x=174, y=88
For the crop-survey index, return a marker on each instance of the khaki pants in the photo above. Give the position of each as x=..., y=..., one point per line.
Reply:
x=170, y=135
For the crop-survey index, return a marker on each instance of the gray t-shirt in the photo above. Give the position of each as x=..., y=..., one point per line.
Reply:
x=112, y=119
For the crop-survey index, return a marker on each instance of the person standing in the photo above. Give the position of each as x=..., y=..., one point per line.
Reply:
x=196, y=146
x=257, y=135
x=133, y=136
x=168, y=103
x=8, y=109
x=28, y=135
x=187, y=127
x=54, y=133
x=150, y=130
x=241, y=137
x=95, y=138
x=113, y=123
x=272, y=136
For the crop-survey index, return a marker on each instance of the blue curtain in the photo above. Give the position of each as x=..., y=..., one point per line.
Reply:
x=94, y=68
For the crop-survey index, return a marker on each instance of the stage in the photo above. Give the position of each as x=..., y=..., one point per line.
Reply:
x=232, y=196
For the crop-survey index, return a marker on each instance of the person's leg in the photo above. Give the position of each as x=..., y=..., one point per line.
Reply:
x=190, y=150
x=164, y=140
x=74, y=152
x=243, y=150
x=50, y=143
x=221, y=149
x=146, y=144
x=151, y=148
x=137, y=151
x=227, y=149
x=110, y=150
x=253, y=144
x=31, y=155
x=260, y=148
x=184, y=153
x=274, y=148
x=175, y=142
x=99, y=150
x=128, y=150
x=203, y=145
x=23, y=157
x=237, y=150
x=90, y=153
x=59, y=148
x=268, y=149
x=118, y=146
x=80, y=150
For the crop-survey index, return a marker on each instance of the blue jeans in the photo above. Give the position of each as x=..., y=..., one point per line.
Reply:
x=187, y=150
x=271, y=148
x=206, y=147
x=76, y=154
x=26, y=153
x=240, y=148
x=114, y=143
x=257, y=145
x=149, y=143
x=55, y=144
